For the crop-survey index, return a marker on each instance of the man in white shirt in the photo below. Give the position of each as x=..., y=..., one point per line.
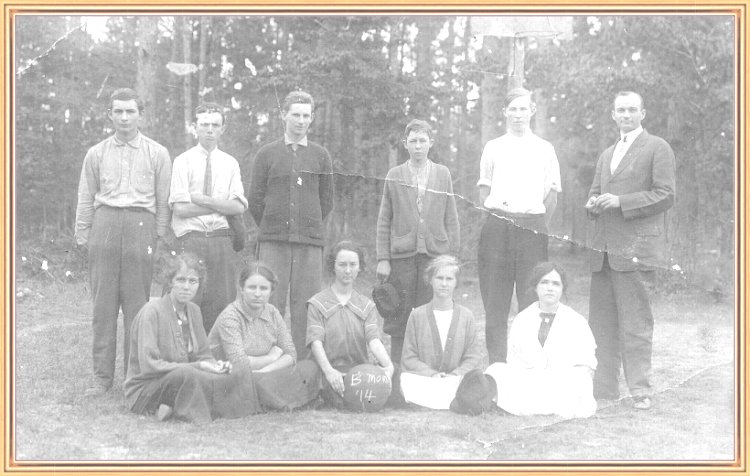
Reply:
x=206, y=188
x=519, y=179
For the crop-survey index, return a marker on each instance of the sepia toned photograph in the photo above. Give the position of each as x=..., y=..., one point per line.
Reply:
x=503, y=239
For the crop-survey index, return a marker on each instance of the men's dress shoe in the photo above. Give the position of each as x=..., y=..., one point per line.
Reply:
x=164, y=412
x=641, y=403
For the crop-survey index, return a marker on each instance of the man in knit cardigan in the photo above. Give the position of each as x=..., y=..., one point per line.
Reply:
x=291, y=193
x=418, y=221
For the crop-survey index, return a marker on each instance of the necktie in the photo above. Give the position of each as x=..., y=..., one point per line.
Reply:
x=207, y=179
x=619, y=153
x=547, y=318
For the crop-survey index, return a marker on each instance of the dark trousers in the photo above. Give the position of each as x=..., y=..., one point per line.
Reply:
x=414, y=290
x=199, y=396
x=299, y=269
x=122, y=245
x=623, y=326
x=220, y=286
x=509, y=248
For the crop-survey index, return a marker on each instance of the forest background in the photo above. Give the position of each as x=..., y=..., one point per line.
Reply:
x=371, y=74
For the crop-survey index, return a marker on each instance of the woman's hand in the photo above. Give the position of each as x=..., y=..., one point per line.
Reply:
x=336, y=380
x=215, y=367
x=389, y=369
x=275, y=353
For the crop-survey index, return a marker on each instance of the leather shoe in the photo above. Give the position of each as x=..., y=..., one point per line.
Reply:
x=164, y=412
x=641, y=403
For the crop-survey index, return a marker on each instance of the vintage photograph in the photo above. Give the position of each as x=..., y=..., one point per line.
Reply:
x=305, y=238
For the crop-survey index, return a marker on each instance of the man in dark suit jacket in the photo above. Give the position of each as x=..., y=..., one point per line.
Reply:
x=633, y=187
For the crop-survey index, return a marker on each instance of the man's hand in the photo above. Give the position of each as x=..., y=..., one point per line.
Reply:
x=383, y=270
x=591, y=202
x=606, y=201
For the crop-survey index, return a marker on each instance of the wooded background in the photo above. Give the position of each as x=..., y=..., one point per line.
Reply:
x=371, y=74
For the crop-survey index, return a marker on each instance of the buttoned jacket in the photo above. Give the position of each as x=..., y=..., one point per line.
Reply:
x=633, y=235
x=399, y=221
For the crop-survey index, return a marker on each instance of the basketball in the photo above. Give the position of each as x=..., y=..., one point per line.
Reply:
x=366, y=388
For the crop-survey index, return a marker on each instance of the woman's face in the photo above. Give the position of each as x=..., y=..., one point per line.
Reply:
x=346, y=266
x=256, y=292
x=184, y=285
x=444, y=282
x=550, y=288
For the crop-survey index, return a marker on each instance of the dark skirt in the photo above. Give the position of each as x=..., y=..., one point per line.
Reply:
x=200, y=396
x=288, y=388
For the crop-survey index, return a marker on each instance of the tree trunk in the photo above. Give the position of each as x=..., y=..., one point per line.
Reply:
x=187, y=86
x=146, y=35
x=491, y=90
x=203, y=57
x=516, y=63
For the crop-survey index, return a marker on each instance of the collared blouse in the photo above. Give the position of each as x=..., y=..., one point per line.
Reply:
x=344, y=329
x=236, y=335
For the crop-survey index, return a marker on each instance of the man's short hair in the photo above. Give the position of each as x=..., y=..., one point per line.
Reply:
x=210, y=107
x=516, y=93
x=298, y=97
x=418, y=125
x=125, y=94
x=627, y=93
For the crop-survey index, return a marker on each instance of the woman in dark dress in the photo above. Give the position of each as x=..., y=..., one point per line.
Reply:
x=343, y=325
x=171, y=371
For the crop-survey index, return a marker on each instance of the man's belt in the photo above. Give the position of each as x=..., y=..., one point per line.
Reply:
x=208, y=234
x=126, y=209
x=503, y=213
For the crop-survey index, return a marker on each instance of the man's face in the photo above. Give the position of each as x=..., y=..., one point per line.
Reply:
x=518, y=114
x=418, y=144
x=125, y=116
x=628, y=112
x=209, y=126
x=297, y=120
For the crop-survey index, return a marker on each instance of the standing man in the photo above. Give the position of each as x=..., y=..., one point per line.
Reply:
x=417, y=221
x=633, y=187
x=519, y=179
x=291, y=193
x=122, y=208
x=206, y=188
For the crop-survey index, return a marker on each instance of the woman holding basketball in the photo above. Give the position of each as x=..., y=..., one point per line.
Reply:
x=342, y=324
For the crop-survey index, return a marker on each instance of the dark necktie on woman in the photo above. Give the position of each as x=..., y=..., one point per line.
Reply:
x=547, y=318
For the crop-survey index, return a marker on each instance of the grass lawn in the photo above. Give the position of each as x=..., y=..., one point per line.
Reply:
x=693, y=417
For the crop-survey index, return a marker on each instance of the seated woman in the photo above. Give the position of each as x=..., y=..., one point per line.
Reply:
x=550, y=355
x=342, y=324
x=171, y=371
x=440, y=344
x=251, y=333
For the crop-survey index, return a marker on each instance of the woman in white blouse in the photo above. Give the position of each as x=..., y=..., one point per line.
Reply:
x=550, y=355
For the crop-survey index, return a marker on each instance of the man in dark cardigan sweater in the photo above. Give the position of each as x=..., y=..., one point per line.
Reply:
x=291, y=193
